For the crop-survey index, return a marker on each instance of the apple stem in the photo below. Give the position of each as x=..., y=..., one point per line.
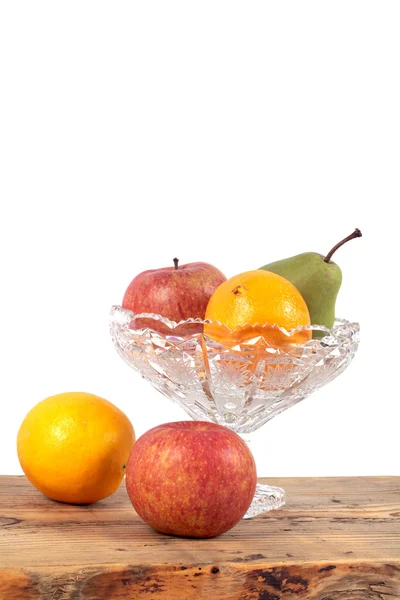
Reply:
x=356, y=233
x=176, y=260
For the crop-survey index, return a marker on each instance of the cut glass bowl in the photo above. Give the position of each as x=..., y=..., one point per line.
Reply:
x=240, y=385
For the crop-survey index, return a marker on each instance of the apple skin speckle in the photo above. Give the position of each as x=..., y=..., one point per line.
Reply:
x=191, y=478
x=175, y=293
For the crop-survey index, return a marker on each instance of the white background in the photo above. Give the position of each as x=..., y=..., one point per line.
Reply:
x=231, y=133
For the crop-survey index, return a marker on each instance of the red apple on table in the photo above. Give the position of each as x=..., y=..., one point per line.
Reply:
x=191, y=478
x=178, y=293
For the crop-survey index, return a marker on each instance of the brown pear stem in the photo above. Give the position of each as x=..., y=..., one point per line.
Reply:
x=356, y=233
x=176, y=260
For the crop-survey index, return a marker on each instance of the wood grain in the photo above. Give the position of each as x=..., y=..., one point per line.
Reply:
x=336, y=539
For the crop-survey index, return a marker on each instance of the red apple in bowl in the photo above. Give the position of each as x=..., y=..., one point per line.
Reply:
x=191, y=478
x=177, y=293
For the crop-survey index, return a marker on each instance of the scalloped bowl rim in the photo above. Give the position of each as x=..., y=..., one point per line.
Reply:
x=352, y=327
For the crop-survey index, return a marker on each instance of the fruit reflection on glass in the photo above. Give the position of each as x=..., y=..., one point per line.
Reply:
x=267, y=339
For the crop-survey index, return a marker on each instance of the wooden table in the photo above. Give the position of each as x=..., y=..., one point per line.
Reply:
x=336, y=539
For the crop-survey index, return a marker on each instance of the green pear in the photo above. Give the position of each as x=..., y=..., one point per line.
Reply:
x=317, y=278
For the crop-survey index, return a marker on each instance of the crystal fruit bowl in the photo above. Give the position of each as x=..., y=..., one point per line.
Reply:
x=240, y=384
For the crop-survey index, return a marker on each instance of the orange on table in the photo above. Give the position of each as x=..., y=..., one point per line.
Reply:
x=253, y=303
x=74, y=447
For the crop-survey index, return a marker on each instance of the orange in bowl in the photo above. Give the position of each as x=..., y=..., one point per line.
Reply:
x=257, y=303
